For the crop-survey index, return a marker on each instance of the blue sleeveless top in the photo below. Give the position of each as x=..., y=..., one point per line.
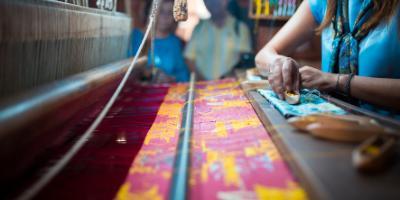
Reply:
x=379, y=54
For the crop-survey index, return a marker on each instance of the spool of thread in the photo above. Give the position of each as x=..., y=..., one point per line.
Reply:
x=266, y=10
x=258, y=8
x=180, y=10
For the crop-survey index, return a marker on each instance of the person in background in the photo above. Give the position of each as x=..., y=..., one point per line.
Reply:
x=240, y=10
x=217, y=44
x=168, y=48
x=139, y=17
x=360, y=52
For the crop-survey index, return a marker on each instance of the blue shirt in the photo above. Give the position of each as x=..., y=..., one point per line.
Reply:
x=167, y=55
x=135, y=40
x=379, y=54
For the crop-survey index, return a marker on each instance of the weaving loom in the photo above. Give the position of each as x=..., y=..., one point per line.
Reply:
x=55, y=40
x=62, y=67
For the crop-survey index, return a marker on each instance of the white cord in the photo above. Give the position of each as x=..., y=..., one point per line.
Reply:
x=54, y=170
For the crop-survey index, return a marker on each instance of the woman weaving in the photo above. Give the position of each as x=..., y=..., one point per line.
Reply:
x=360, y=52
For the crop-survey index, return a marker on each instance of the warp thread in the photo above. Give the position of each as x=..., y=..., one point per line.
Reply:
x=84, y=3
x=52, y=42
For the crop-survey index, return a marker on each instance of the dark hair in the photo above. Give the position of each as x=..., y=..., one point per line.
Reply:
x=384, y=11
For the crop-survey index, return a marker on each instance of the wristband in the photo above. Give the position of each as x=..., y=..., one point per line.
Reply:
x=347, y=89
x=337, y=83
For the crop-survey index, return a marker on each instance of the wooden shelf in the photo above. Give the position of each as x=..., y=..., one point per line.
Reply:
x=269, y=17
x=252, y=14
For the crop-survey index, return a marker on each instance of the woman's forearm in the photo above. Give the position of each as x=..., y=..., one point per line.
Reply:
x=379, y=91
x=299, y=29
x=272, y=60
x=266, y=58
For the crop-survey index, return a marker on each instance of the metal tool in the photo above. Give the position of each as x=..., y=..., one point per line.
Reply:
x=180, y=176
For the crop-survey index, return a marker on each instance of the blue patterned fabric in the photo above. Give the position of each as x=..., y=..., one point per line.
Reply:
x=344, y=59
x=310, y=103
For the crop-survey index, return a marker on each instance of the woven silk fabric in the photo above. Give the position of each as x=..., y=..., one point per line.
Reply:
x=345, y=46
x=98, y=169
x=309, y=104
x=232, y=155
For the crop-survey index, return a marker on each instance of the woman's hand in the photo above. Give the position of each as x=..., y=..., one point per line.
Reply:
x=313, y=78
x=284, y=70
x=283, y=74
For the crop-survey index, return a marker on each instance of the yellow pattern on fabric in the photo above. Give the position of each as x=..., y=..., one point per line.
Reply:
x=222, y=86
x=125, y=194
x=212, y=157
x=229, y=104
x=231, y=175
x=211, y=97
x=270, y=149
x=162, y=131
x=166, y=175
x=175, y=92
x=264, y=147
x=204, y=147
x=220, y=129
x=170, y=109
x=148, y=152
x=291, y=193
x=140, y=169
x=239, y=124
x=166, y=130
x=204, y=172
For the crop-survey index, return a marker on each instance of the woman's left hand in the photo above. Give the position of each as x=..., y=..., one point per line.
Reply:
x=313, y=78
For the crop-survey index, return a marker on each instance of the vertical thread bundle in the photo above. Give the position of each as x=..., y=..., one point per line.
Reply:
x=51, y=40
x=84, y=3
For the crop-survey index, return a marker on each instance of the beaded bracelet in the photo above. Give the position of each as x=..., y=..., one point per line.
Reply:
x=337, y=83
x=347, y=88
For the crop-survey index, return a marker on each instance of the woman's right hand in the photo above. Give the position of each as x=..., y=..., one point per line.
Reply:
x=284, y=71
x=283, y=74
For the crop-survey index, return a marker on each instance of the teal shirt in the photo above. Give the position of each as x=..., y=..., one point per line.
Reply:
x=379, y=54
